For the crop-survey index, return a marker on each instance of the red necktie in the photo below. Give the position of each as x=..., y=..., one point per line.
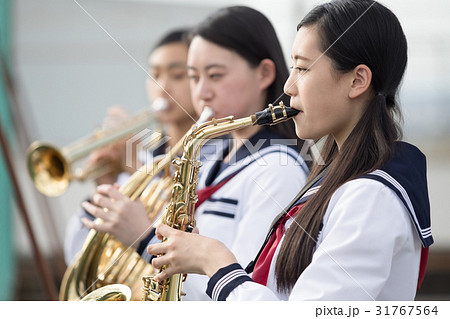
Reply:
x=206, y=192
x=262, y=266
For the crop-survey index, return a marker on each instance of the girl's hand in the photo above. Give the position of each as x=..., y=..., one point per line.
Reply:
x=109, y=159
x=123, y=218
x=188, y=253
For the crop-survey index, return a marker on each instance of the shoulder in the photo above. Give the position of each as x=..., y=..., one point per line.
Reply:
x=277, y=157
x=365, y=199
x=276, y=165
x=365, y=209
x=269, y=145
x=362, y=187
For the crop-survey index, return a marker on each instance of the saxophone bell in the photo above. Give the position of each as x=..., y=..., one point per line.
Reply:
x=115, y=292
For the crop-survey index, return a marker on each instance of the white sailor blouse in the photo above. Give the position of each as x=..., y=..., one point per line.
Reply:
x=375, y=232
x=265, y=176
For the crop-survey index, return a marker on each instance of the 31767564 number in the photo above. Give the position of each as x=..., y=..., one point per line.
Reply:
x=406, y=310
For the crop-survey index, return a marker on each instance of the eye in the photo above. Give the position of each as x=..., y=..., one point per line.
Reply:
x=299, y=69
x=215, y=76
x=179, y=76
x=154, y=75
x=193, y=78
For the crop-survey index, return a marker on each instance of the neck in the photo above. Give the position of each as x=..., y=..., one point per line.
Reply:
x=359, y=106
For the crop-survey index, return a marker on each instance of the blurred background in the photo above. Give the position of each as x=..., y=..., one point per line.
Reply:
x=64, y=63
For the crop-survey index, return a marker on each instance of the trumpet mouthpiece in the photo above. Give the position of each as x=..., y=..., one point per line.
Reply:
x=159, y=104
x=205, y=116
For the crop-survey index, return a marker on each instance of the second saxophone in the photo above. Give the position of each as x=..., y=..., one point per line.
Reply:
x=179, y=213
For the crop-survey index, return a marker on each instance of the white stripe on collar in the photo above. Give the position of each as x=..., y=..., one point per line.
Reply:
x=426, y=232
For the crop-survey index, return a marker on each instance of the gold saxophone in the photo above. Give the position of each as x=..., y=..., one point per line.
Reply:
x=179, y=213
x=104, y=262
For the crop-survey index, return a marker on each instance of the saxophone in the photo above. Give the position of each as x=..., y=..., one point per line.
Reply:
x=179, y=213
x=105, y=262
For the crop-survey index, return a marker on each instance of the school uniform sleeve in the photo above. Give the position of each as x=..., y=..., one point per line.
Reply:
x=233, y=283
x=76, y=233
x=365, y=227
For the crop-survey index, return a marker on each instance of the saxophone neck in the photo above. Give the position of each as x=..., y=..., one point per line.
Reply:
x=272, y=115
x=207, y=131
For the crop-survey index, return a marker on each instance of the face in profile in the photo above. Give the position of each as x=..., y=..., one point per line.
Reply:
x=223, y=80
x=317, y=90
x=167, y=66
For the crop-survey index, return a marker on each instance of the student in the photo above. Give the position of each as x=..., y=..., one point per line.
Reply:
x=236, y=67
x=359, y=231
x=168, y=83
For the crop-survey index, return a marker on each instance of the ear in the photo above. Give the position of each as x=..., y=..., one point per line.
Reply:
x=266, y=72
x=361, y=81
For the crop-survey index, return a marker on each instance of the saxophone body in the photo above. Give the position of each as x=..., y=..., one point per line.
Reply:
x=179, y=212
x=104, y=261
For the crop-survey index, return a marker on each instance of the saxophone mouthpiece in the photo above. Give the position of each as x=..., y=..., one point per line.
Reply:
x=273, y=115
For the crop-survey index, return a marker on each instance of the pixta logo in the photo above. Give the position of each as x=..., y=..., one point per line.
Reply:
x=139, y=145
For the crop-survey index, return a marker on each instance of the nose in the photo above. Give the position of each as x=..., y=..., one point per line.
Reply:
x=158, y=87
x=203, y=90
x=163, y=84
x=289, y=85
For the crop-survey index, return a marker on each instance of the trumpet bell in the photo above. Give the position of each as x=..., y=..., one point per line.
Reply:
x=116, y=292
x=48, y=169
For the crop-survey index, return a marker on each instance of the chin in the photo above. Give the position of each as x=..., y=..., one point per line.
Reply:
x=302, y=134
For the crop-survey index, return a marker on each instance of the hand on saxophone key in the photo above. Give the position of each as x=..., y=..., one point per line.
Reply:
x=183, y=252
x=123, y=218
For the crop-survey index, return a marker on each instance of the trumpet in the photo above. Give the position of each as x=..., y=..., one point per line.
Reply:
x=52, y=169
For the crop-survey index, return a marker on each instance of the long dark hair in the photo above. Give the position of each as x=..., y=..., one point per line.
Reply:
x=250, y=34
x=376, y=40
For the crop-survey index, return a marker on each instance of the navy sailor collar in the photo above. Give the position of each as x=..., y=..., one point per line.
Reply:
x=260, y=140
x=406, y=175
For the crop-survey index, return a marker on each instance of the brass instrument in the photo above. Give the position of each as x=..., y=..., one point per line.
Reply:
x=103, y=260
x=51, y=168
x=109, y=293
x=179, y=213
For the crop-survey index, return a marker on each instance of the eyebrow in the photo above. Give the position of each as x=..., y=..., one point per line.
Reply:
x=210, y=66
x=300, y=57
x=172, y=65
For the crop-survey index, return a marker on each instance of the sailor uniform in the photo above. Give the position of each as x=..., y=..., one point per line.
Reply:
x=265, y=176
x=375, y=230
